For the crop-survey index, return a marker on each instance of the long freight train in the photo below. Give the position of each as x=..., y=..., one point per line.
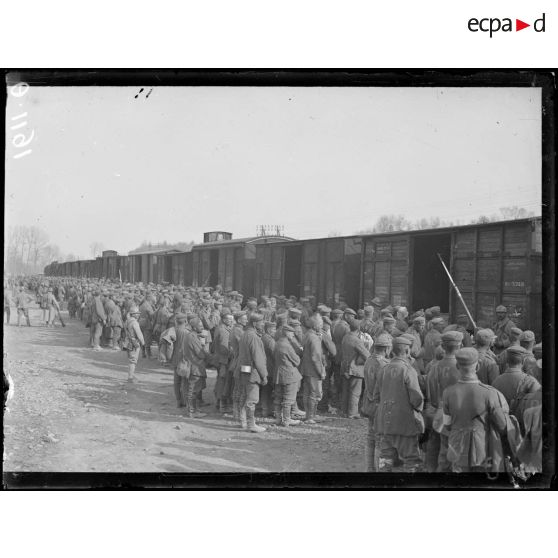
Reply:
x=491, y=263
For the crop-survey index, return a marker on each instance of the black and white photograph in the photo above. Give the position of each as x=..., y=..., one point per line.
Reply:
x=279, y=275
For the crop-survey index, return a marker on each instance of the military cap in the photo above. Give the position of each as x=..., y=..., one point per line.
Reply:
x=454, y=337
x=252, y=303
x=419, y=320
x=134, y=310
x=226, y=311
x=516, y=350
x=389, y=320
x=350, y=311
x=419, y=313
x=233, y=293
x=436, y=321
x=402, y=340
x=239, y=313
x=288, y=328
x=435, y=309
x=382, y=340
x=295, y=311
x=194, y=321
x=255, y=317
x=180, y=317
x=408, y=336
x=376, y=302
x=467, y=356
x=486, y=336
x=369, y=309
x=537, y=350
x=527, y=336
x=501, y=309
x=385, y=312
x=324, y=309
x=515, y=331
x=337, y=312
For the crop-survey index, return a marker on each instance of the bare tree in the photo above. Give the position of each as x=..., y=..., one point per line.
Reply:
x=515, y=212
x=96, y=248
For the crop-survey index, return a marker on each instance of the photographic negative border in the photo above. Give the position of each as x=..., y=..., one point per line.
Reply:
x=146, y=78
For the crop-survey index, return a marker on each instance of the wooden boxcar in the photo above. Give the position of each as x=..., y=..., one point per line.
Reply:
x=492, y=264
x=182, y=269
x=327, y=268
x=230, y=263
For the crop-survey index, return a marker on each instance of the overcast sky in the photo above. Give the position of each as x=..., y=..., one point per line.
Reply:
x=109, y=167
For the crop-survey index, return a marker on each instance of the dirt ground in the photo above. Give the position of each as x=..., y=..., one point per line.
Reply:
x=73, y=411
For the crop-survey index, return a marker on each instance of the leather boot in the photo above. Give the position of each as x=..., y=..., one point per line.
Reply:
x=132, y=378
x=278, y=415
x=242, y=417
x=296, y=412
x=309, y=406
x=251, y=419
x=287, y=420
x=197, y=412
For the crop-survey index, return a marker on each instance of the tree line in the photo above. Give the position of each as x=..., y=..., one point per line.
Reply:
x=394, y=223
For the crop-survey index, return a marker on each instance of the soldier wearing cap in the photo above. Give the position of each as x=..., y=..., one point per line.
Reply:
x=470, y=409
x=98, y=320
x=368, y=324
x=266, y=392
x=114, y=321
x=487, y=370
x=353, y=356
x=442, y=374
x=22, y=305
x=161, y=319
x=401, y=319
x=399, y=402
x=515, y=334
x=514, y=384
x=287, y=376
x=432, y=339
x=329, y=351
x=502, y=329
x=179, y=362
x=147, y=314
x=388, y=327
x=241, y=321
x=196, y=352
x=527, y=341
x=312, y=368
x=222, y=351
x=133, y=342
x=53, y=307
x=373, y=368
x=339, y=328
x=252, y=368
x=416, y=330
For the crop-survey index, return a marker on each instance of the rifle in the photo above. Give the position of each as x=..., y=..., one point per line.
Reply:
x=457, y=291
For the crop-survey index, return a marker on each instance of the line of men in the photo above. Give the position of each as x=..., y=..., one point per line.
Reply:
x=438, y=397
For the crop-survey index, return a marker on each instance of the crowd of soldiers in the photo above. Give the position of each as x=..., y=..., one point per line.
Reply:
x=439, y=397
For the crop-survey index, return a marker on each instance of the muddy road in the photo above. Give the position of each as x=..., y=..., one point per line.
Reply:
x=73, y=411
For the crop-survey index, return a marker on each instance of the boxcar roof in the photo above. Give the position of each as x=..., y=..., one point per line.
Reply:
x=241, y=241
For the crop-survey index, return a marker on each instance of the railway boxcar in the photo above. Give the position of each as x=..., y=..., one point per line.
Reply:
x=327, y=269
x=228, y=262
x=491, y=264
x=182, y=271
